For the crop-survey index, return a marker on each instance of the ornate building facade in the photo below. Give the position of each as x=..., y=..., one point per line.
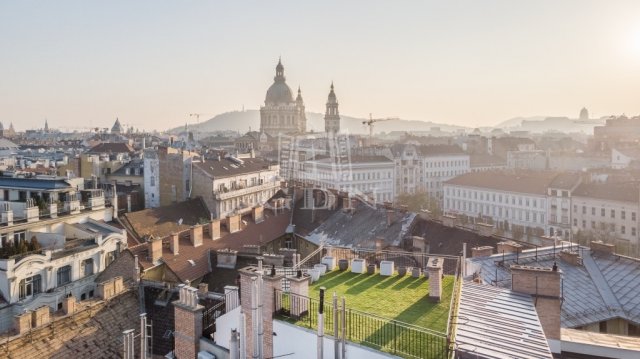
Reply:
x=280, y=113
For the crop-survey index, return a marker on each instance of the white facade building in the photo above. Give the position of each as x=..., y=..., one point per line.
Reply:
x=503, y=198
x=426, y=168
x=54, y=249
x=151, y=181
x=608, y=211
x=232, y=185
x=370, y=176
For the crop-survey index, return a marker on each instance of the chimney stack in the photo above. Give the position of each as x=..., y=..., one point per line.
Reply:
x=188, y=323
x=258, y=214
x=155, y=249
x=390, y=217
x=544, y=285
x=233, y=223
x=195, y=235
x=214, y=229
x=483, y=251
x=434, y=267
x=174, y=243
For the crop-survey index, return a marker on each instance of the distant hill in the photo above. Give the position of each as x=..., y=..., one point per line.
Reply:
x=517, y=121
x=242, y=121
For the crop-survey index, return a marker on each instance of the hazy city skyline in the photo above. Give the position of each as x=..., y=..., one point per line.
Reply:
x=467, y=63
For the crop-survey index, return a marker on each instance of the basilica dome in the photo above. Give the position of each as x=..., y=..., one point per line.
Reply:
x=279, y=92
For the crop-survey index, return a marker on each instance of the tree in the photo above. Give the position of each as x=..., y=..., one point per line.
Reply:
x=418, y=201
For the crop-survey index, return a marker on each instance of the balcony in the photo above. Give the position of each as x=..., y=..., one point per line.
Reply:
x=241, y=191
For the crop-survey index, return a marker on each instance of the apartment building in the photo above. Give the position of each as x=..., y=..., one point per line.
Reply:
x=54, y=240
x=230, y=185
x=371, y=177
x=608, y=211
x=510, y=200
x=426, y=168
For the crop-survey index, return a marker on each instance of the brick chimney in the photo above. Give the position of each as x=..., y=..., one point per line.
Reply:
x=572, y=258
x=483, y=251
x=214, y=229
x=434, y=267
x=188, y=323
x=509, y=247
x=602, y=248
x=544, y=285
x=174, y=243
x=195, y=235
x=390, y=217
x=155, y=249
x=270, y=283
x=257, y=214
x=233, y=223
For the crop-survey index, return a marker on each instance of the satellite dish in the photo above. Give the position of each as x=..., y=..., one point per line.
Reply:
x=180, y=222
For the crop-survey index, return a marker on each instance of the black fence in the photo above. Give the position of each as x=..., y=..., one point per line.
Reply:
x=384, y=334
x=209, y=317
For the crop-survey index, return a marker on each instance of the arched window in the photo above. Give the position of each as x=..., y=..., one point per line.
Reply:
x=30, y=286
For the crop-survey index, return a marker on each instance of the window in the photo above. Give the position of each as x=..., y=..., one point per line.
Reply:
x=152, y=181
x=622, y=230
x=111, y=256
x=584, y=209
x=623, y=214
x=593, y=211
x=575, y=222
x=603, y=327
x=87, y=267
x=584, y=224
x=613, y=213
x=64, y=275
x=633, y=216
x=602, y=212
x=30, y=286
x=593, y=224
x=633, y=231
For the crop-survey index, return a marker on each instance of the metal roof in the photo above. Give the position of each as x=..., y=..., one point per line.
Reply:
x=605, y=287
x=34, y=183
x=498, y=323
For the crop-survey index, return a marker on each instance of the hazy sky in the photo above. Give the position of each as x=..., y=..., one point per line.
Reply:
x=151, y=63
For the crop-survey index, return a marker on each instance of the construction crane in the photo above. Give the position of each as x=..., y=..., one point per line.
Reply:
x=372, y=120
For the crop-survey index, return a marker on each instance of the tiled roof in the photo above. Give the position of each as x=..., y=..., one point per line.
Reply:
x=623, y=192
x=162, y=221
x=499, y=323
x=481, y=160
x=431, y=150
x=519, y=182
x=605, y=287
x=273, y=227
x=226, y=167
x=111, y=147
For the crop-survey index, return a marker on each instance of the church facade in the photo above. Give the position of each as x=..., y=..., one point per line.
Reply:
x=281, y=114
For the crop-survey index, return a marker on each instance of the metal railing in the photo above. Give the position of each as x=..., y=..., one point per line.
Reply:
x=384, y=334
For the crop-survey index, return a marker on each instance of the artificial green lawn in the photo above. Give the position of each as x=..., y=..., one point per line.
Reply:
x=404, y=299
x=372, y=300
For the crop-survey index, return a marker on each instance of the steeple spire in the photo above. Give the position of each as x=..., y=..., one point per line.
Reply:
x=332, y=116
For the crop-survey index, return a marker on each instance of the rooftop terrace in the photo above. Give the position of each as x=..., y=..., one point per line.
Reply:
x=402, y=298
x=406, y=323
